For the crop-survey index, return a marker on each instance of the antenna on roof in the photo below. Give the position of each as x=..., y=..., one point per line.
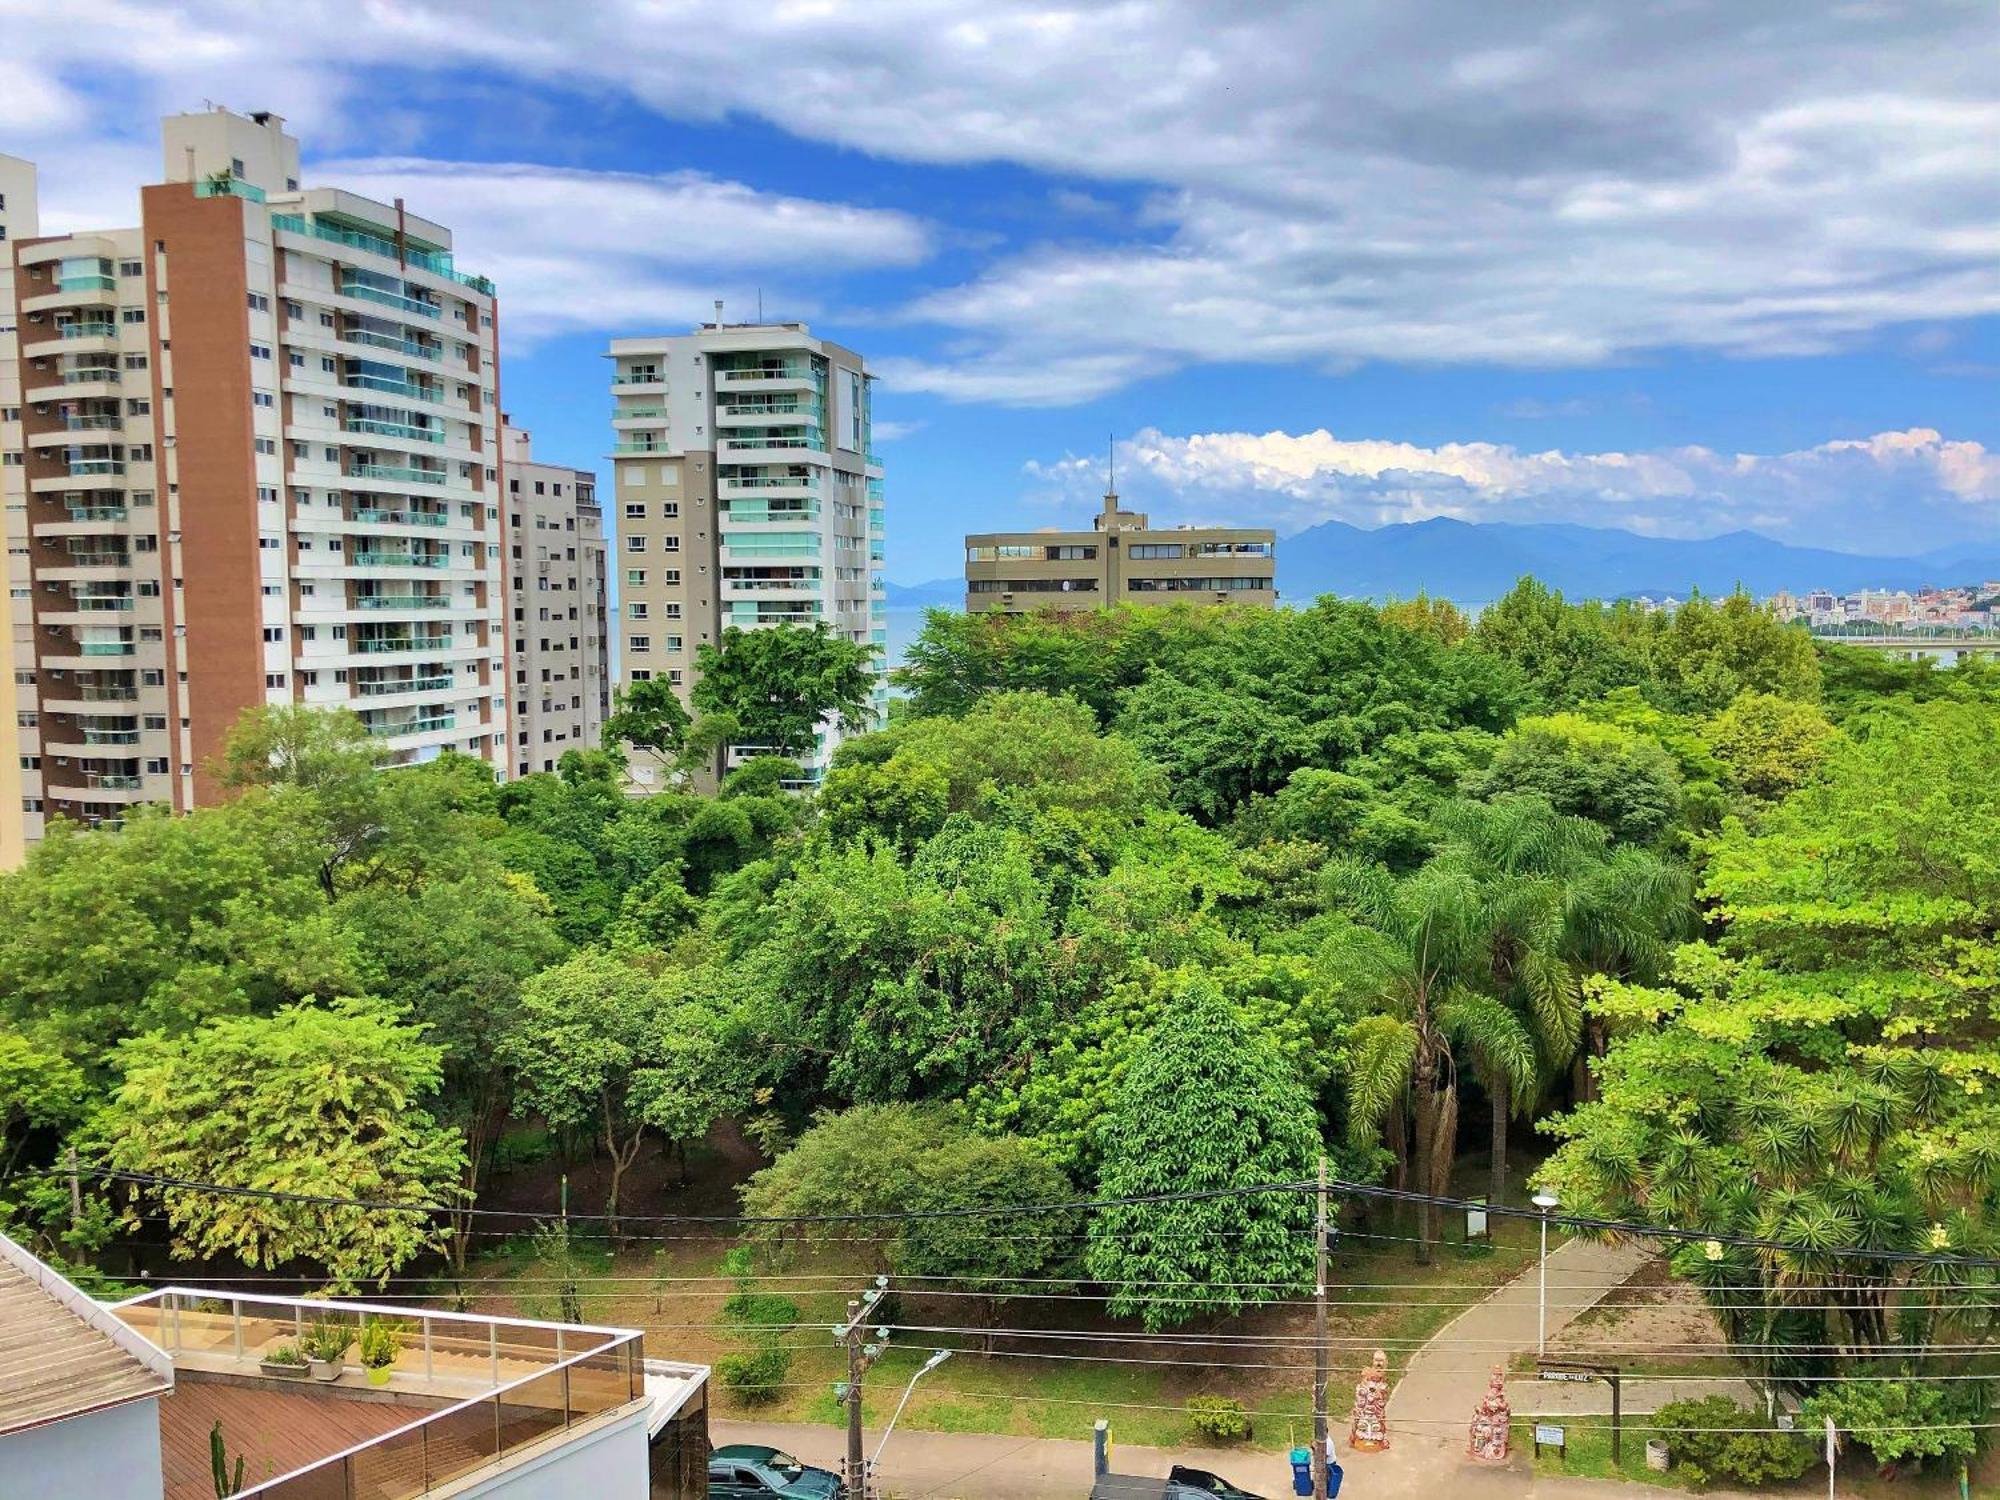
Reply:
x=1111, y=466
x=760, y=304
x=718, y=312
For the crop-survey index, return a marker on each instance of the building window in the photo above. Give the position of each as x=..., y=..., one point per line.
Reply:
x=635, y=610
x=635, y=544
x=670, y=543
x=635, y=510
x=635, y=577
x=639, y=643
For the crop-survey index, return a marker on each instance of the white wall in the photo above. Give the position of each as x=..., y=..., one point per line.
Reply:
x=106, y=1455
x=609, y=1464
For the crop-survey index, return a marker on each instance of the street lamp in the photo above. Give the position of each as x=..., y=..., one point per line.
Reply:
x=928, y=1365
x=1544, y=1200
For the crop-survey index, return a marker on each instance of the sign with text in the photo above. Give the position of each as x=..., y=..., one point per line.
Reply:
x=1548, y=1435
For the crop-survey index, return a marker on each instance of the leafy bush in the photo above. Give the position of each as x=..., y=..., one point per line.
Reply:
x=756, y=1375
x=1714, y=1438
x=1221, y=1419
x=284, y=1354
x=1898, y=1420
x=760, y=1310
x=381, y=1342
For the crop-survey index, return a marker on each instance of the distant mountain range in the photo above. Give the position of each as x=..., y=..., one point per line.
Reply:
x=1476, y=563
x=1473, y=563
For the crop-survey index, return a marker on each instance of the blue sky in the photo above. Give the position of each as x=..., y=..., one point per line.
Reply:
x=1679, y=268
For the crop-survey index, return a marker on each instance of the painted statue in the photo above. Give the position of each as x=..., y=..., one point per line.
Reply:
x=1369, y=1432
x=1490, y=1421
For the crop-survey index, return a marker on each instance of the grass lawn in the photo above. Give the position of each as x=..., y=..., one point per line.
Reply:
x=1380, y=1296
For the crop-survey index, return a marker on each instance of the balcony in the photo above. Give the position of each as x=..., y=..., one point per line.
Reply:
x=85, y=468
x=392, y=343
x=766, y=373
x=403, y=601
x=399, y=643
x=94, y=422
x=407, y=430
x=396, y=387
x=87, y=281
x=437, y=262
x=402, y=517
x=638, y=377
x=113, y=781
x=389, y=685
x=80, y=329
x=401, y=473
x=627, y=450
x=96, y=512
x=225, y=186
x=429, y=724
x=111, y=737
x=467, y=1399
x=399, y=559
x=352, y=286
x=92, y=375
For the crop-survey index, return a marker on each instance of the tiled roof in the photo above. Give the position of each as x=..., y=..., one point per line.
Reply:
x=54, y=1361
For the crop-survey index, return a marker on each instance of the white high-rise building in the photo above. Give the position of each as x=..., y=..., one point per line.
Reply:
x=746, y=493
x=261, y=443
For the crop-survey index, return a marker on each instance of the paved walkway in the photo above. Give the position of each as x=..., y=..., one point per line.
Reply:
x=1446, y=1378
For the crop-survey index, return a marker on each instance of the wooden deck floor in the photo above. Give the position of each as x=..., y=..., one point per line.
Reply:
x=275, y=1431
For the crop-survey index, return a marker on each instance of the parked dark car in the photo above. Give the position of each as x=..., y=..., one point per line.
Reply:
x=751, y=1471
x=1181, y=1483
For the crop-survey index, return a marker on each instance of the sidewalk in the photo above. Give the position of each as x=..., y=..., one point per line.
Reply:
x=979, y=1466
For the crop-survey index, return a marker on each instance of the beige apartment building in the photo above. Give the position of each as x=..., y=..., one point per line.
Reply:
x=20, y=782
x=556, y=552
x=260, y=437
x=1120, y=560
x=746, y=493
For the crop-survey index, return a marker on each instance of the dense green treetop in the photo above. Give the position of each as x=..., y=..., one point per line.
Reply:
x=775, y=685
x=322, y=1100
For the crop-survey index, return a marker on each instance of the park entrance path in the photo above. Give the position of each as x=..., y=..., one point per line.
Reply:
x=1445, y=1379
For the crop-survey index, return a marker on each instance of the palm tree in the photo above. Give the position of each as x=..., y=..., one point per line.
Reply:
x=1479, y=957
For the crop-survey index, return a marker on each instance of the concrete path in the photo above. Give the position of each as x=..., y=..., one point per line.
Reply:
x=1448, y=1375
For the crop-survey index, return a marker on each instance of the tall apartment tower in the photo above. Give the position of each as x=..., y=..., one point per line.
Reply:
x=20, y=781
x=260, y=433
x=747, y=494
x=556, y=561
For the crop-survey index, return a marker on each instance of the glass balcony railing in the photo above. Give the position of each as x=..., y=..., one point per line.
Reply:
x=107, y=648
x=111, y=736
x=638, y=377
x=403, y=643
x=639, y=414
x=91, y=374
x=391, y=299
x=100, y=606
x=416, y=726
x=93, y=423
x=101, y=559
x=630, y=448
x=86, y=282
x=97, y=512
x=398, y=559
x=88, y=330
x=767, y=372
x=107, y=694
x=398, y=471
x=85, y=468
x=228, y=187
x=390, y=342
x=403, y=685
x=112, y=781
x=403, y=601
x=396, y=387
x=437, y=262
x=403, y=517
x=393, y=429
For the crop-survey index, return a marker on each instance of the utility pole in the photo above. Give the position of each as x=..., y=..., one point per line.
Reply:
x=860, y=1355
x=1319, y=1339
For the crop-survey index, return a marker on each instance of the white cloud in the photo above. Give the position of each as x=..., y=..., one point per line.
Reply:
x=608, y=250
x=1410, y=181
x=1878, y=492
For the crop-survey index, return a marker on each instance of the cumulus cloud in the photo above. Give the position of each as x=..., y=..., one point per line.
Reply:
x=1872, y=493
x=1427, y=181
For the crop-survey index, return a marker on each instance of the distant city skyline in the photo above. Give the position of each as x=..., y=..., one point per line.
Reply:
x=1681, y=272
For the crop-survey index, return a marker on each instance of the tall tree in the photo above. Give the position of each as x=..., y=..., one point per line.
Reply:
x=778, y=685
x=1209, y=1106
x=602, y=1045
x=325, y=1101
x=648, y=716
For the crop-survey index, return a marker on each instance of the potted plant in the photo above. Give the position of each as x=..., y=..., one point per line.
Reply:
x=326, y=1349
x=381, y=1342
x=285, y=1361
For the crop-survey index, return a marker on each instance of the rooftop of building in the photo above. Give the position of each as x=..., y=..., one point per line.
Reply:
x=462, y=1393
x=61, y=1354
